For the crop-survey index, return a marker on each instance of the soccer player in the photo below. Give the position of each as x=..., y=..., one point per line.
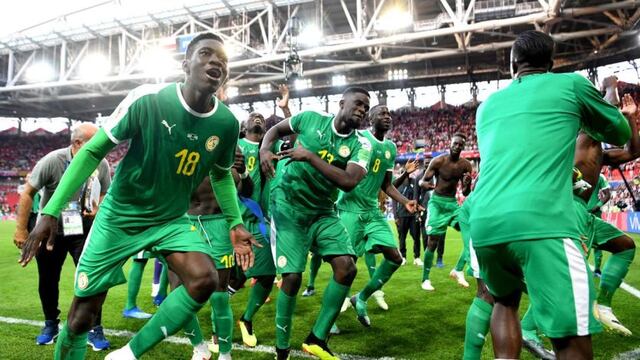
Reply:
x=178, y=133
x=138, y=263
x=254, y=210
x=359, y=212
x=599, y=234
x=600, y=196
x=329, y=155
x=448, y=169
x=523, y=226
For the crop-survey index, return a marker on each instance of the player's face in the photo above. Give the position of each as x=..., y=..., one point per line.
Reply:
x=457, y=144
x=381, y=120
x=207, y=68
x=256, y=123
x=355, y=107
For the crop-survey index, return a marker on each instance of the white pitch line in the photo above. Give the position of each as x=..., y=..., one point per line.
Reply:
x=626, y=287
x=184, y=341
x=629, y=355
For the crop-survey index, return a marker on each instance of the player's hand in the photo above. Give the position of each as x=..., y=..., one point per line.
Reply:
x=90, y=214
x=284, y=96
x=411, y=166
x=466, y=179
x=610, y=82
x=20, y=237
x=629, y=106
x=242, y=240
x=298, y=153
x=46, y=228
x=412, y=206
x=239, y=164
x=266, y=162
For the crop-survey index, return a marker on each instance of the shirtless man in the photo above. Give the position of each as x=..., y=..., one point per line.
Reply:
x=448, y=169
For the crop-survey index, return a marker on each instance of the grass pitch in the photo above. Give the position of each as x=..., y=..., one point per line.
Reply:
x=418, y=325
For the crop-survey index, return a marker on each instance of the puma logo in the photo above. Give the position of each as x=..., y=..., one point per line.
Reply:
x=164, y=331
x=226, y=340
x=166, y=124
x=320, y=134
x=283, y=328
x=190, y=334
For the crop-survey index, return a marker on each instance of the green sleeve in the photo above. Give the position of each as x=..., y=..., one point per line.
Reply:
x=84, y=163
x=601, y=120
x=296, y=122
x=226, y=194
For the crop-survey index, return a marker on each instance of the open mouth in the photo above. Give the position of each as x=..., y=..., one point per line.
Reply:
x=214, y=73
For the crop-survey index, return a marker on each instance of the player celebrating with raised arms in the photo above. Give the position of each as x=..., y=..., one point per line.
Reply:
x=178, y=133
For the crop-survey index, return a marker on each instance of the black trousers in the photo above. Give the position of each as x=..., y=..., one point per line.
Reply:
x=50, y=267
x=409, y=224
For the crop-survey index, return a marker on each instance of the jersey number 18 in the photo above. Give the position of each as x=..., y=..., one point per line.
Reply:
x=188, y=162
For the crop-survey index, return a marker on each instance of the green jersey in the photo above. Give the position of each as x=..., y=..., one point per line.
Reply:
x=365, y=196
x=171, y=149
x=250, y=150
x=526, y=137
x=305, y=187
x=594, y=200
x=270, y=183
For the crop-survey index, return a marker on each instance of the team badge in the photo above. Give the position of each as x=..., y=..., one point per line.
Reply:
x=387, y=154
x=282, y=261
x=211, y=143
x=344, y=151
x=83, y=281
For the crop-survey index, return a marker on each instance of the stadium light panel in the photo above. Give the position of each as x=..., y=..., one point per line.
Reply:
x=393, y=20
x=94, y=66
x=310, y=36
x=40, y=72
x=157, y=62
x=265, y=88
x=339, y=80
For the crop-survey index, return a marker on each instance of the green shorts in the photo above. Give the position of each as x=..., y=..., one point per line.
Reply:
x=558, y=279
x=107, y=248
x=295, y=232
x=442, y=212
x=367, y=231
x=263, y=263
x=215, y=231
x=594, y=231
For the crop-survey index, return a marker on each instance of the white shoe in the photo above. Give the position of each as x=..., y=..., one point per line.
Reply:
x=226, y=356
x=155, y=288
x=459, y=277
x=418, y=262
x=201, y=352
x=345, y=305
x=404, y=261
x=124, y=353
x=213, y=345
x=426, y=285
x=379, y=298
x=605, y=315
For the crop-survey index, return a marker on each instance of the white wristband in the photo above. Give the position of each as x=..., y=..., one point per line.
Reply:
x=244, y=175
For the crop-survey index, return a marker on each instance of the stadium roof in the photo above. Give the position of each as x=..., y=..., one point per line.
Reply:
x=75, y=66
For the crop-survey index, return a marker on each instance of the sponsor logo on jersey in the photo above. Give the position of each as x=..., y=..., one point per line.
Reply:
x=344, y=151
x=282, y=261
x=211, y=143
x=166, y=124
x=83, y=281
x=192, y=137
x=387, y=154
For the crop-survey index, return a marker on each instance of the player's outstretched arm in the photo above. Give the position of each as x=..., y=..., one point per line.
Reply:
x=24, y=209
x=283, y=103
x=225, y=192
x=390, y=189
x=425, y=182
x=279, y=130
x=409, y=168
x=82, y=166
x=631, y=151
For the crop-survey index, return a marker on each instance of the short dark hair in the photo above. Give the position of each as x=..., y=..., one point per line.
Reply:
x=460, y=135
x=373, y=110
x=355, y=89
x=534, y=48
x=200, y=37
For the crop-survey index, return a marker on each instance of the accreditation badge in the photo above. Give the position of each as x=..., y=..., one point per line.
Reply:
x=72, y=220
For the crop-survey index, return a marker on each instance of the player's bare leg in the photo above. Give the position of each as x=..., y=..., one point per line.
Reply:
x=505, y=327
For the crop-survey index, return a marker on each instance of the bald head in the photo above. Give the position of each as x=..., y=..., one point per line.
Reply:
x=81, y=134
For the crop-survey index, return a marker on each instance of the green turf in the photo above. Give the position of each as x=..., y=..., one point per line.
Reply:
x=419, y=325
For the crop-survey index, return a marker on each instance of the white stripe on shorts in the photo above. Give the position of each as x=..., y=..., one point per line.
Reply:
x=579, y=284
x=272, y=237
x=473, y=260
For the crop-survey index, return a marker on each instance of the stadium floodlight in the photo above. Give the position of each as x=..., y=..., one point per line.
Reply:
x=393, y=20
x=265, y=88
x=158, y=62
x=310, y=36
x=398, y=74
x=232, y=91
x=302, y=84
x=40, y=72
x=94, y=66
x=339, y=80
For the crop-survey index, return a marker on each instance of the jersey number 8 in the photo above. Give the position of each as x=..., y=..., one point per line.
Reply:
x=188, y=162
x=376, y=166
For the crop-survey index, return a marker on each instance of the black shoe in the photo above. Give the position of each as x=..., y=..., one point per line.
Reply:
x=282, y=354
x=536, y=349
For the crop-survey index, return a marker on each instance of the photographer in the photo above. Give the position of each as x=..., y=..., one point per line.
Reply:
x=73, y=229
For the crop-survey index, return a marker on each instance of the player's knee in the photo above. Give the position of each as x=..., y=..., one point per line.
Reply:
x=267, y=281
x=201, y=285
x=291, y=283
x=81, y=318
x=628, y=244
x=393, y=255
x=346, y=272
